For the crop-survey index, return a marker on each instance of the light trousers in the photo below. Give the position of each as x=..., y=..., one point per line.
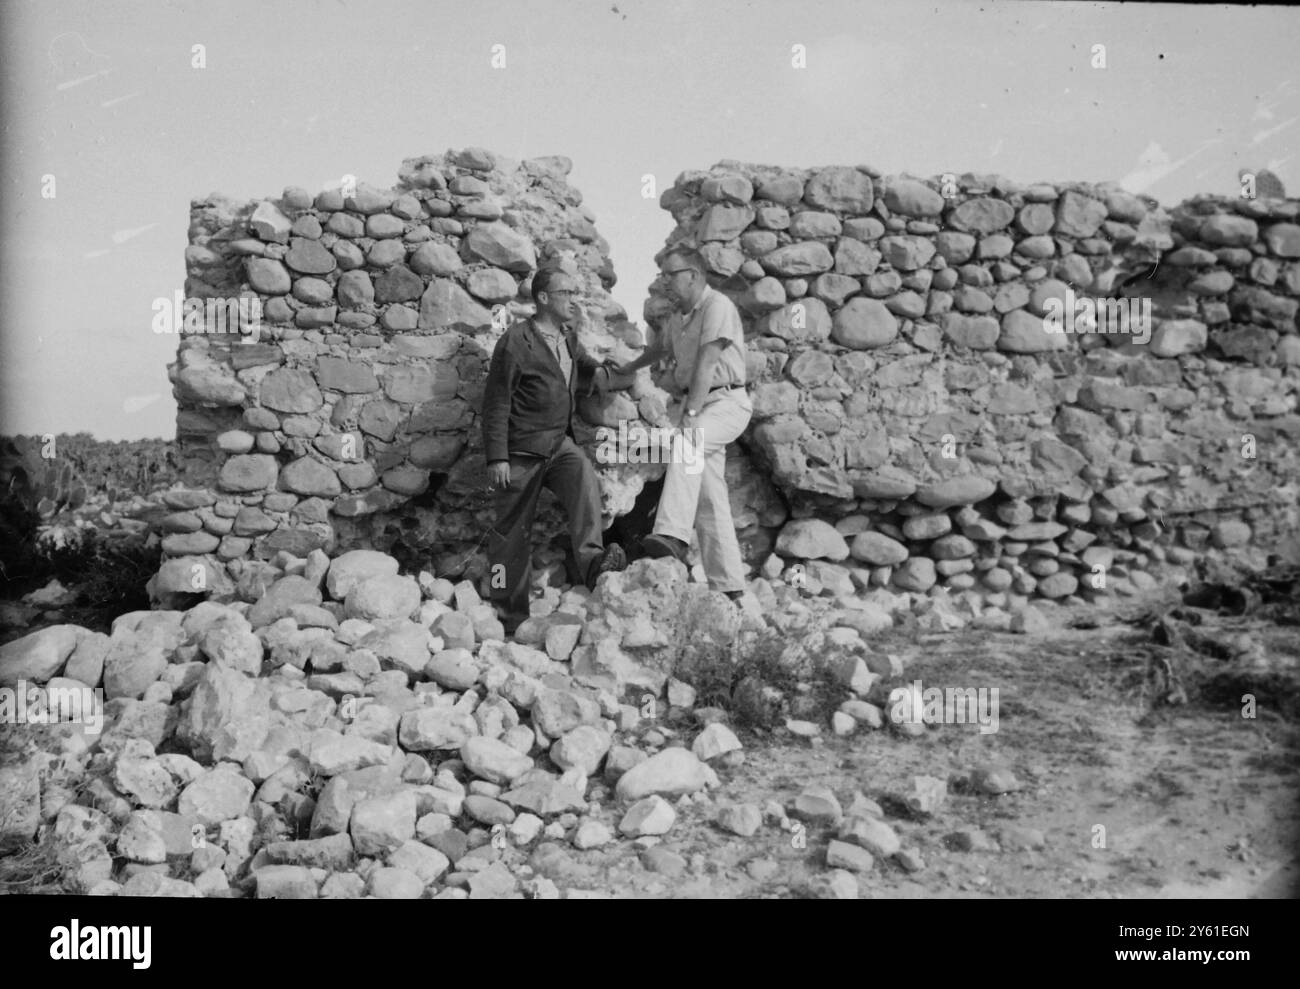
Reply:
x=695, y=494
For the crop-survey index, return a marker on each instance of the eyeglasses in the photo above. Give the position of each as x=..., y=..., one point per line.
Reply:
x=562, y=291
x=678, y=271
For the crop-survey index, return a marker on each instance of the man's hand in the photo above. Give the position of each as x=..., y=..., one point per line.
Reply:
x=499, y=475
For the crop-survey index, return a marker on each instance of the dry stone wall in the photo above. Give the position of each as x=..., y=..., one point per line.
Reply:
x=351, y=417
x=915, y=423
x=925, y=427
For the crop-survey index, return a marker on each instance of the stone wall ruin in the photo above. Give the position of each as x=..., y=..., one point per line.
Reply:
x=915, y=426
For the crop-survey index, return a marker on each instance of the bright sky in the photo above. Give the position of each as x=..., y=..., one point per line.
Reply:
x=103, y=97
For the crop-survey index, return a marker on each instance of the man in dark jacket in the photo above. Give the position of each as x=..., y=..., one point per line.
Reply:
x=529, y=400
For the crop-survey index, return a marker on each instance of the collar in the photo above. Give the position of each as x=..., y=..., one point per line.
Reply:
x=565, y=330
x=698, y=302
x=566, y=333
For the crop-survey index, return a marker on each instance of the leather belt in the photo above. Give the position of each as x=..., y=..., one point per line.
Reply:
x=723, y=388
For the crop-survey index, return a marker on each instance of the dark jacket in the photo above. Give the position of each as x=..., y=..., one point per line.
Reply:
x=527, y=405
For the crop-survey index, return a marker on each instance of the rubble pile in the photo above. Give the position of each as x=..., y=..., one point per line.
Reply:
x=343, y=729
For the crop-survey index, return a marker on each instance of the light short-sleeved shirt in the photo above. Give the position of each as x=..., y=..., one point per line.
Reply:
x=714, y=317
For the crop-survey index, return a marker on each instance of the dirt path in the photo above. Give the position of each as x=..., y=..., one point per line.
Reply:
x=1194, y=800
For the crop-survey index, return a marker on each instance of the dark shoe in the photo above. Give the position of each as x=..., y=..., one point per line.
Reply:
x=658, y=546
x=511, y=623
x=611, y=560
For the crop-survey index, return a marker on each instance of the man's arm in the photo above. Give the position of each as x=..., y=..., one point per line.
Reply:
x=592, y=374
x=503, y=376
x=656, y=350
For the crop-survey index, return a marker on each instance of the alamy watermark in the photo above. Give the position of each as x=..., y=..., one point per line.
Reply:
x=241, y=314
x=637, y=444
x=102, y=943
x=945, y=706
x=32, y=704
x=1085, y=314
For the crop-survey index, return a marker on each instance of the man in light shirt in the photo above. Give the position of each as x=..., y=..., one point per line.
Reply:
x=705, y=343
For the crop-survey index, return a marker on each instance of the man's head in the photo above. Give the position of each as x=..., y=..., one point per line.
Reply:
x=553, y=294
x=683, y=277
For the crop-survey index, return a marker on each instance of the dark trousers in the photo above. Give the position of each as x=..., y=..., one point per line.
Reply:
x=570, y=476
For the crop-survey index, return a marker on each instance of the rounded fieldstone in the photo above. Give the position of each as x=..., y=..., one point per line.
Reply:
x=833, y=289
x=804, y=320
x=722, y=260
x=1058, y=585
x=406, y=480
x=1229, y=230
x=384, y=597
x=852, y=257
x=966, y=489
x=981, y=215
x=878, y=549
x=346, y=225
x=189, y=543
x=308, y=476
x=922, y=527
x=248, y=472
x=436, y=453
x=368, y=200
x=492, y=285
x=809, y=258
x=723, y=223
x=811, y=224
x=886, y=483
x=1283, y=239
x=445, y=305
x=268, y=276
x=350, y=377
x=840, y=189
x=235, y=441
x=1179, y=336
x=954, y=247
x=348, y=255
x=1035, y=219
x=911, y=198
x=385, y=253
x=727, y=188
x=863, y=324
x=313, y=291
x=811, y=539
x=308, y=257
x=907, y=252
x=1078, y=215
x=915, y=574
x=435, y=259
x=1024, y=333
x=500, y=245
x=290, y=390
x=975, y=332
x=398, y=284
x=952, y=547
x=767, y=293
x=783, y=189
x=384, y=225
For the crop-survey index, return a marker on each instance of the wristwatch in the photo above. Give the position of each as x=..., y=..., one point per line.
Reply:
x=689, y=413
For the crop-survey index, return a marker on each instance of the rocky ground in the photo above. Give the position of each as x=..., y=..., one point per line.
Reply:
x=342, y=730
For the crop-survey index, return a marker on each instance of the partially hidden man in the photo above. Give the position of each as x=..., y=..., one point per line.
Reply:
x=538, y=370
